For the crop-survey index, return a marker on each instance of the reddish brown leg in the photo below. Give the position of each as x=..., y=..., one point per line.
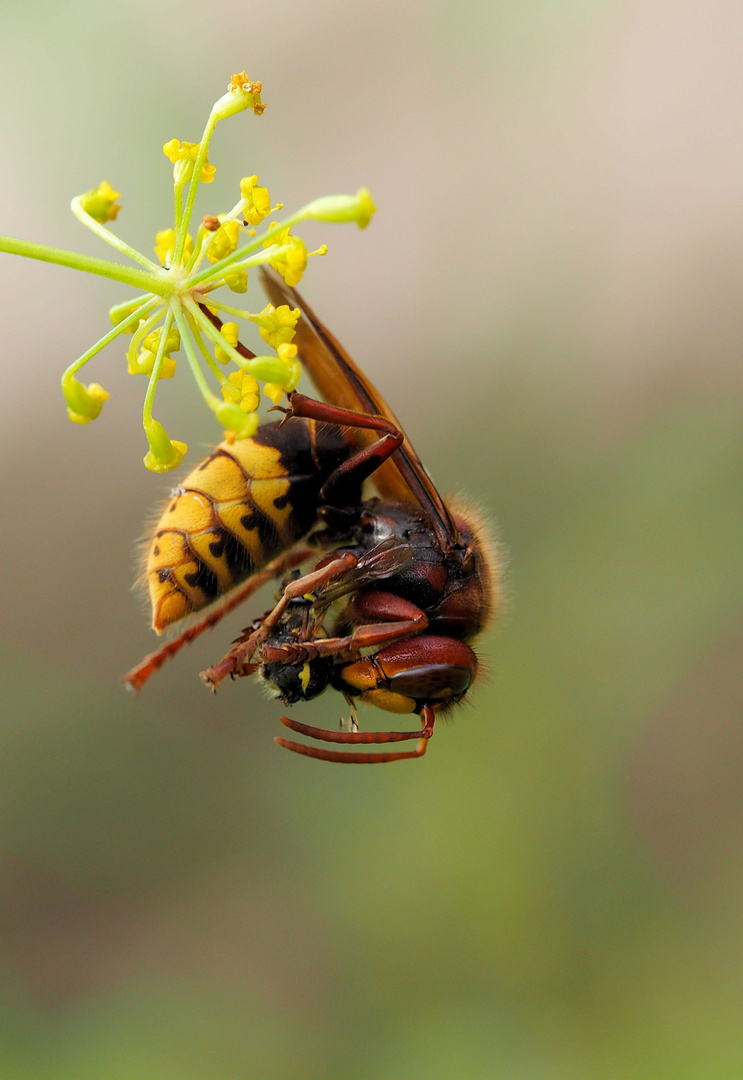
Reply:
x=398, y=618
x=237, y=658
x=349, y=758
x=344, y=481
x=138, y=676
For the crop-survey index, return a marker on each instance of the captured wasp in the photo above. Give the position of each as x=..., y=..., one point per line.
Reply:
x=404, y=583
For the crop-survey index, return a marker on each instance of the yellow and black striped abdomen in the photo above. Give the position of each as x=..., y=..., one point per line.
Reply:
x=248, y=501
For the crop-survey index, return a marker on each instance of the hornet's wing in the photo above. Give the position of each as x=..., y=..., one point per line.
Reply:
x=339, y=381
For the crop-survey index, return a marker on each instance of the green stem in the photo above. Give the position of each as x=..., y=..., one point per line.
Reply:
x=265, y=368
x=154, y=282
x=211, y=399
x=139, y=335
x=108, y=338
x=229, y=310
x=126, y=307
x=261, y=259
x=214, y=335
x=178, y=206
x=110, y=238
x=200, y=248
x=194, y=186
x=208, y=358
x=156, y=368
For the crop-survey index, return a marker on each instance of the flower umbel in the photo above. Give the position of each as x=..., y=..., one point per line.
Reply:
x=175, y=306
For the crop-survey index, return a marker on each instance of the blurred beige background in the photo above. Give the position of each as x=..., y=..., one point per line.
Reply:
x=550, y=297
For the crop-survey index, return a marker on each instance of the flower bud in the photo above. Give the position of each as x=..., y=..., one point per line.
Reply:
x=232, y=417
x=270, y=369
x=342, y=208
x=99, y=202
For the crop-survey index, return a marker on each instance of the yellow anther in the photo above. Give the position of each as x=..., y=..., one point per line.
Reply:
x=288, y=353
x=242, y=389
x=292, y=263
x=237, y=280
x=183, y=155
x=277, y=325
x=229, y=332
x=257, y=201
x=165, y=246
x=145, y=360
x=224, y=241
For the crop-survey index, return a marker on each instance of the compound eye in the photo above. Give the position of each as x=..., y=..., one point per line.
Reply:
x=431, y=682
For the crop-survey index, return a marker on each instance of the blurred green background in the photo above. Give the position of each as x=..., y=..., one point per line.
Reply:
x=550, y=297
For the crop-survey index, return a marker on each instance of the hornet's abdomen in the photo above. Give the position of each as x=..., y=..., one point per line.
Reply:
x=248, y=501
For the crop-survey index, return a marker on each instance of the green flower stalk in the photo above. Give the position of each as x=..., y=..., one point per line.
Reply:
x=176, y=306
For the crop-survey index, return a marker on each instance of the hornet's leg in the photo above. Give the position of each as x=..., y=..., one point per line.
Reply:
x=138, y=676
x=396, y=617
x=241, y=654
x=350, y=758
x=341, y=487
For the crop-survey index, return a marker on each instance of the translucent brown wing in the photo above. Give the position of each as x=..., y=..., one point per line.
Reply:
x=340, y=382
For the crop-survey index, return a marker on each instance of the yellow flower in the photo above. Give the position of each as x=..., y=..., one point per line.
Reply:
x=290, y=264
x=165, y=246
x=277, y=325
x=224, y=241
x=172, y=296
x=229, y=332
x=145, y=361
x=237, y=280
x=242, y=388
x=241, y=94
x=164, y=453
x=288, y=353
x=84, y=403
x=99, y=203
x=183, y=155
x=258, y=203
